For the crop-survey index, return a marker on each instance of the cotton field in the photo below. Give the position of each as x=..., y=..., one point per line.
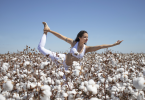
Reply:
x=29, y=75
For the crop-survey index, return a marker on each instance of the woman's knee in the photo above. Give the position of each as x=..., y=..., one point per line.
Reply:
x=39, y=48
x=42, y=50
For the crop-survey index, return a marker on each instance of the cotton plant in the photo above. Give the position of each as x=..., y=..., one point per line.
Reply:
x=117, y=78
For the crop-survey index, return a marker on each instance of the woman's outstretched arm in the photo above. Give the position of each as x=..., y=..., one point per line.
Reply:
x=95, y=48
x=68, y=40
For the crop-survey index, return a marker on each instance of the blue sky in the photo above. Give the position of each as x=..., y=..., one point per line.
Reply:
x=106, y=21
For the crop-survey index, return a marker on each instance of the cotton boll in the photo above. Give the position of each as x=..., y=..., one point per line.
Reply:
x=8, y=86
x=102, y=80
x=120, y=70
x=31, y=85
x=93, y=98
x=5, y=78
x=52, y=82
x=26, y=63
x=25, y=71
x=90, y=88
x=94, y=91
x=16, y=96
x=78, y=99
x=124, y=78
x=132, y=76
x=46, y=87
x=78, y=67
x=140, y=95
x=85, y=89
x=113, y=89
x=65, y=94
x=44, y=97
x=91, y=82
x=5, y=67
x=70, y=97
x=2, y=97
x=92, y=69
x=114, y=63
x=58, y=82
x=75, y=63
x=73, y=92
x=43, y=64
x=113, y=95
x=76, y=72
x=46, y=93
x=58, y=99
x=60, y=73
x=138, y=83
x=125, y=73
x=49, y=80
x=53, y=72
x=81, y=87
x=8, y=74
x=6, y=93
x=83, y=83
x=97, y=86
x=117, y=85
x=42, y=74
x=109, y=79
x=134, y=95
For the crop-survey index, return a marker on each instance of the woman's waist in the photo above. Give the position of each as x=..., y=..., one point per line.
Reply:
x=71, y=58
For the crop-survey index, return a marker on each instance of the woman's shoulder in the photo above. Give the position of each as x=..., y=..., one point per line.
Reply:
x=73, y=44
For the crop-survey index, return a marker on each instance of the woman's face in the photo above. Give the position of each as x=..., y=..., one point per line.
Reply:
x=84, y=38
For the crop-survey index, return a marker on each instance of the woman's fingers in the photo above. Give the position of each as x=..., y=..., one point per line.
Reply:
x=118, y=42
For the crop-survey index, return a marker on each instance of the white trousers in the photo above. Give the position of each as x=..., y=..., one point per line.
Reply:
x=51, y=54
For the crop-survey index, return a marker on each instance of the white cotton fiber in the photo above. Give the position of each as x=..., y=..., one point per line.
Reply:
x=43, y=64
x=26, y=63
x=93, y=98
x=2, y=97
x=91, y=82
x=120, y=70
x=65, y=94
x=5, y=67
x=46, y=93
x=60, y=73
x=138, y=83
x=76, y=72
x=8, y=86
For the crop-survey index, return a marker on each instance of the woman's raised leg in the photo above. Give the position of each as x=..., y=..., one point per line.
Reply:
x=41, y=45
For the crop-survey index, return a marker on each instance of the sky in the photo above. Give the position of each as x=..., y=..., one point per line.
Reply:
x=106, y=22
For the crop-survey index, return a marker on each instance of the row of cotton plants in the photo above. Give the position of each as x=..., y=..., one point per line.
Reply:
x=29, y=75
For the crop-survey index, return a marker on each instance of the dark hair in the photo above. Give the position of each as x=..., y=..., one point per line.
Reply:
x=80, y=34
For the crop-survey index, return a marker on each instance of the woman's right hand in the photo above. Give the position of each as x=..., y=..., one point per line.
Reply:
x=118, y=42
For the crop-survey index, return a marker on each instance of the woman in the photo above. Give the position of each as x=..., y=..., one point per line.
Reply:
x=78, y=50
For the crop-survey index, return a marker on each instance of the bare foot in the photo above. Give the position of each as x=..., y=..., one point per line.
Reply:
x=46, y=28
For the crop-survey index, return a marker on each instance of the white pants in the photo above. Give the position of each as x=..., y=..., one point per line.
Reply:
x=52, y=55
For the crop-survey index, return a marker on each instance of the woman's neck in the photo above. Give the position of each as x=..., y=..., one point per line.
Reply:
x=80, y=44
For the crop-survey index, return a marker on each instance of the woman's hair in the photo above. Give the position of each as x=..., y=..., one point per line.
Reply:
x=80, y=34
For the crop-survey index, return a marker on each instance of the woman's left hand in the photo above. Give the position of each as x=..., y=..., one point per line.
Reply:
x=118, y=42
